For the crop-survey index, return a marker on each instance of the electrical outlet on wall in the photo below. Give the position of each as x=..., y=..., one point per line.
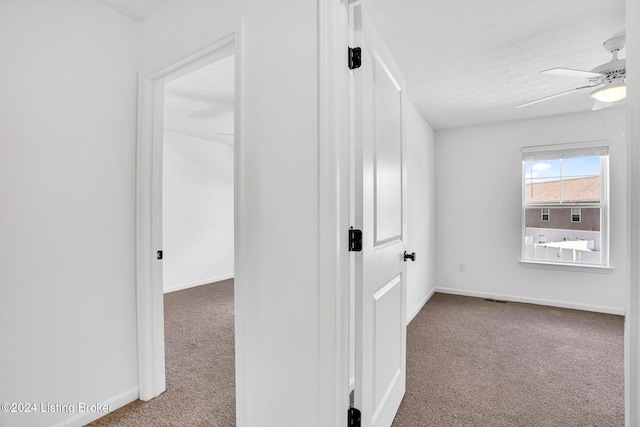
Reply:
x=461, y=267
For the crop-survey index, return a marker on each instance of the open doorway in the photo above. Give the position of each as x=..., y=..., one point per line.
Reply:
x=198, y=242
x=197, y=180
x=186, y=222
x=192, y=291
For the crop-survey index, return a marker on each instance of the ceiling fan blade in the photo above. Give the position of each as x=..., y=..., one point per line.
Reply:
x=526, y=104
x=568, y=72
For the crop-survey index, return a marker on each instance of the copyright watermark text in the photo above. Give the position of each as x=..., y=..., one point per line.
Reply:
x=44, y=407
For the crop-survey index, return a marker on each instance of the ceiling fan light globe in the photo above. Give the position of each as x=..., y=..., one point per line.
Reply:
x=610, y=93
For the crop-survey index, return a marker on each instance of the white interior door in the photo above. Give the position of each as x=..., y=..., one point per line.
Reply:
x=380, y=269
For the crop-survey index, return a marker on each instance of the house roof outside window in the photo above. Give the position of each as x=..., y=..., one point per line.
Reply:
x=575, y=190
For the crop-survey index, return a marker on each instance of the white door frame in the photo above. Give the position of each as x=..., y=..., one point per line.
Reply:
x=150, y=315
x=333, y=198
x=334, y=212
x=632, y=319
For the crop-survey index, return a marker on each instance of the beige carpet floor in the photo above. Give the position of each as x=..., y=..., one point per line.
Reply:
x=469, y=363
x=476, y=363
x=200, y=364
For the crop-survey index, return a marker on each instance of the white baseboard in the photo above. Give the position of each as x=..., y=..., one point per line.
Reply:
x=415, y=312
x=538, y=301
x=83, y=418
x=197, y=283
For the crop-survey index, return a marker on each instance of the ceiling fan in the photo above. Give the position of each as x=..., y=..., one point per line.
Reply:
x=609, y=80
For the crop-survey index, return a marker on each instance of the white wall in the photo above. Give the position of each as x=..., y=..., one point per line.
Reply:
x=420, y=209
x=280, y=151
x=67, y=163
x=197, y=211
x=276, y=277
x=180, y=22
x=68, y=111
x=478, y=212
x=67, y=214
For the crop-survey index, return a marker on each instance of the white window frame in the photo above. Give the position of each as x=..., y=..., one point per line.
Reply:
x=543, y=213
x=587, y=148
x=579, y=214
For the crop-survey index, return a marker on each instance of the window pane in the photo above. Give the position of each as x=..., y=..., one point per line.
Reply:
x=545, y=214
x=560, y=218
x=581, y=190
x=571, y=180
x=561, y=239
x=581, y=167
x=556, y=233
x=542, y=169
x=541, y=190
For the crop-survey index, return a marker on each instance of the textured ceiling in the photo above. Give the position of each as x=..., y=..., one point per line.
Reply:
x=201, y=103
x=470, y=62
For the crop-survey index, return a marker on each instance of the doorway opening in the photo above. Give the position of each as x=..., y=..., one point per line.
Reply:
x=186, y=223
x=198, y=239
x=197, y=177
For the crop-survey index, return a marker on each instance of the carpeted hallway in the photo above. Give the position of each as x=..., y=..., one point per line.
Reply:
x=200, y=364
x=471, y=362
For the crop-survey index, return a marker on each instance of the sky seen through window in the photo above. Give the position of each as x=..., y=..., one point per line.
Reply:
x=556, y=169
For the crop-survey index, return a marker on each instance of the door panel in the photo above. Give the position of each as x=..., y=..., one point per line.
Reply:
x=388, y=321
x=388, y=152
x=380, y=271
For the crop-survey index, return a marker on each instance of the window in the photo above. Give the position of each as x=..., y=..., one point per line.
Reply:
x=575, y=214
x=565, y=204
x=545, y=214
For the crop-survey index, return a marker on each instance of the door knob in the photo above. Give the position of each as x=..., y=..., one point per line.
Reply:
x=411, y=256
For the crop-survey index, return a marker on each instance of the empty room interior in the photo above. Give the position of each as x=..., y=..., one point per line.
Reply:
x=198, y=176
x=182, y=180
x=198, y=243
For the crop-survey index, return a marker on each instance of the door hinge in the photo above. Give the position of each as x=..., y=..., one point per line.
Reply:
x=355, y=58
x=354, y=418
x=159, y=255
x=355, y=240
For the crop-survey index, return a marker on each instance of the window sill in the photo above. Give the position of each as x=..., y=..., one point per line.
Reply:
x=565, y=266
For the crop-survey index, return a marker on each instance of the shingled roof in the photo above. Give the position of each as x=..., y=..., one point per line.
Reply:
x=576, y=190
